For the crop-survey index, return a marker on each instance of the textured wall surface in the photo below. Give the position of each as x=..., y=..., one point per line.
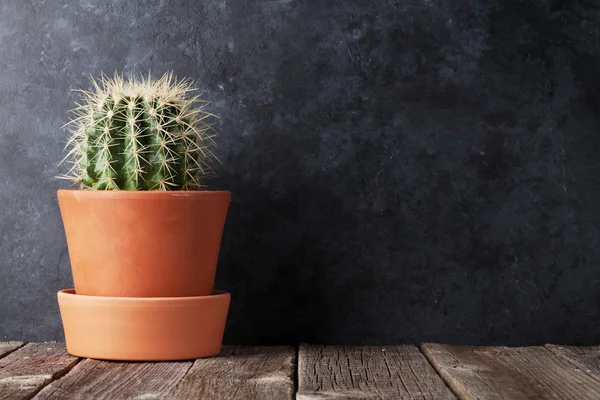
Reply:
x=402, y=171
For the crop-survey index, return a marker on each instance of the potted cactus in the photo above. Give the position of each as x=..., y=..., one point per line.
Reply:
x=143, y=236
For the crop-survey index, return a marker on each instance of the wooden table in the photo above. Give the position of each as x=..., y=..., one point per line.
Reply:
x=433, y=371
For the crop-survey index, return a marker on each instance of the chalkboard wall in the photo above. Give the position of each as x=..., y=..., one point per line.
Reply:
x=402, y=171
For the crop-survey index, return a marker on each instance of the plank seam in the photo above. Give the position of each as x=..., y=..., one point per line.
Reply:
x=176, y=387
x=567, y=359
x=299, y=394
x=13, y=350
x=56, y=377
x=437, y=371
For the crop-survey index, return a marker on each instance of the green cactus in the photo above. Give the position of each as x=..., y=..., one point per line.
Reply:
x=140, y=134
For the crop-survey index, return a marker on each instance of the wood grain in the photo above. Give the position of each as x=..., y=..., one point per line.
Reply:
x=367, y=372
x=9, y=347
x=241, y=373
x=510, y=373
x=237, y=373
x=25, y=371
x=585, y=358
x=94, y=379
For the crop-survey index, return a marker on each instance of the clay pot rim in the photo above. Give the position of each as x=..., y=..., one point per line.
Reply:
x=218, y=295
x=143, y=194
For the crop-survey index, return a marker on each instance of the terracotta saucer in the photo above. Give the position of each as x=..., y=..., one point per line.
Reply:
x=143, y=329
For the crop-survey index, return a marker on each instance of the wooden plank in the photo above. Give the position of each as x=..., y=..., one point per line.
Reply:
x=25, y=371
x=241, y=373
x=237, y=373
x=368, y=372
x=94, y=379
x=510, y=373
x=8, y=347
x=585, y=358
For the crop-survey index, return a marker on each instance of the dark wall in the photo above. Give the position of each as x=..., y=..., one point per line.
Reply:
x=402, y=171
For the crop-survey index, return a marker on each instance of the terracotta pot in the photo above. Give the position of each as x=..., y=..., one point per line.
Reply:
x=143, y=244
x=143, y=329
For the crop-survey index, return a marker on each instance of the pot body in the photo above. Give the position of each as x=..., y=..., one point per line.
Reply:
x=143, y=329
x=143, y=244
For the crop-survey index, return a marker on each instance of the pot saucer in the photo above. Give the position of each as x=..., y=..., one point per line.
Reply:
x=143, y=328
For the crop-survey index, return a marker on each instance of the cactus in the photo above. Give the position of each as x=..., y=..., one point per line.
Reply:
x=140, y=134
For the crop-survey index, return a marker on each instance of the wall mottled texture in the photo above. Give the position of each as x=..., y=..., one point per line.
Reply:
x=402, y=171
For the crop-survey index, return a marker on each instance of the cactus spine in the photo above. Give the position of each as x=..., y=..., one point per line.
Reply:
x=140, y=134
